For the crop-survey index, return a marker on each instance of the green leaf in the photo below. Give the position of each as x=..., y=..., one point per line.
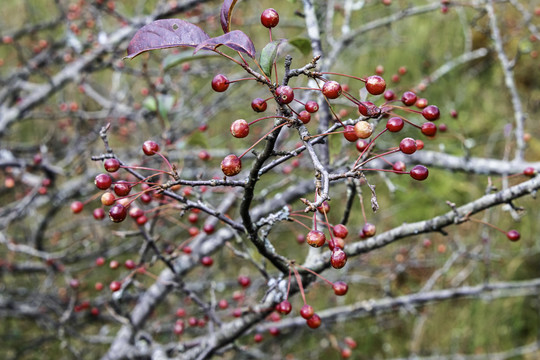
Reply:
x=269, y=54
x=173, y=60
x=166, y=103
x=150, y=103
x=302, y=44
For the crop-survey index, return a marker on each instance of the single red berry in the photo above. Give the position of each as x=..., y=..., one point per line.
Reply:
x=429, y=129
x=115, y=286
x=408, y=98
x=285, y=94
x=74, y=283
x=122, y=188
x=375, y=85
x=338, y=258
x=103, y=181
x=76, y=207
x=379, y=70
x=399, y=166
x=431, y=113
x=407, y=146
x=150, y=147
x=259, y=105
x=130, y=264
x=231, y=165
x=513, y=235
x=108, y=199
x=244, y=281
x=257, y=338
x=314, y=321
x=240, y=128
x=118, y=213
x=349, y=133
x=114, y=264
x=443, y=127
x=331, y=89
x=111, y=165
x=350, y=342
x=207, y=261
x=369, y=109
x=99, y=214
x=285, y=307
x=223, y=304
x=209, y=229
x=363, y=129
x=193, y=231
x=180, y=312
x=369, y=229
x=529, y=171
x=204, y=155
x=179, y=327
x=136, y=212
x=361, y=145
x=395, y=124
x=389, y=95
x=312, y=106
x=100, y=261
x=340, y=231
x=324, y=208
x=269, y=18
x=315, y=238
x=307, y=311
x=421, y=103
x=454, y=113
x=220, y=83
x=419, y=172
x=304, y=116
x=340, y=288
x=98, y=286
x=274, y=331
x=192, y=321
x=419, y=144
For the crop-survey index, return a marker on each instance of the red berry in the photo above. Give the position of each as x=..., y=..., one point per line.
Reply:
x=223, y=304
x=312, y=106
x=529, y=171
x=209, y=228
x=408, y=98
x=259, y=105
x=375, y=85
x=389, y=95
x=274, y=331
x=513, y=235
x=257, y=338
x=99, y=214
x=244, y=281
x=331, y=89
x=231, y=165
x=361, y=145
x=443, y=127
x=315, y=238
x=399, y=166
x=368, y=109
x=74, y=283
x=419, y=172
x=429, y=129
x=338, y=258
x=314, y=321
x=108, y=199
x=395, y=124
x=454, y=114
x=122, y=188
x=304, y=116
x=103, y=181
x=178, y=327
x=115, y=286
x=419, y=144
x=220, y=83
x=150, y=147
x=369, y=229
x=340, y=288
x=431, y=113
x=349, y=133
x=407, y=146
x=421, y=103
x=118, y=213
x=240, y=128
x=98, y=286
x=111, y=165
x=130, y=264
x=306, y=311
x=363, y=129
x=100, y=261
x=324, y=208
x=76, y=207
x=285, y=94
x=180, y=312
x=285, y=307
x=207, y=261
x=269, y=18
x=341, y=231
x=204, y=155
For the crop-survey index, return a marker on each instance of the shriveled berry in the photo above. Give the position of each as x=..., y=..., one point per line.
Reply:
x=259, y=105
x=408, y=98
x=240, y=128
x=150, y=147
x=285, y=94
x=375, y=85
x=231, y=165
x=394, y=124
x=407, y=146
x=315, y=238
x=513, y=235
x=331, y=89
x=363, y=129
x=419, y=172
x=269, y=18
x=431, y=113
x=220, y=83
x=368, y=109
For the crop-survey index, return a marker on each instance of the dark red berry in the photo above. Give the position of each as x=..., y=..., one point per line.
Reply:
x=419, y=172
x=207, y=261
x=394, y=124
x=340, y=288
x=408, y=98
x=209, y=229
x=341, y=231
x=220, y=83
x=307, y=311
x=285, y=94
x=314, y=321
x=443, y=127
x=269, y=18
x=315, y=238
x=240, y=128
x=204, y=155
x=259, y=105
x=312, y=106
x=375, y=85
x=349, y=133
x=338, y=258
x=118, y=213
x=513, y=235
x=231, y=165
x=103, y=181
x=324, y=208
x=122, y=188
x=454, y=114
x=284, y=307
x=529, y=171
x=431, y=113
x=76, y=207
x=111, y=165
x=369, y=229
x=389, y=95
x=150, y=147
x=304, y=116
x=429, y=129
x=419, y=144
x=407, y=146
x=331, y=89
x=361, y=145
x=244, y=281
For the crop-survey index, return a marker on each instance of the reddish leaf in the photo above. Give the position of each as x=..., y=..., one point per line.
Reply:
x=167, y=33
x=235, y=40
x=226, y=13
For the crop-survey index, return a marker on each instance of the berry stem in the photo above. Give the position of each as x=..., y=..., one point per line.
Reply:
x=339, y=74
x=299, y=282
x=261, y=139
x=299, y=222
x=318, y=275
x=404, y=119
x=486, y=223
x=369, y=146
x=268, y=117
x=376, y=156
x=242, y=79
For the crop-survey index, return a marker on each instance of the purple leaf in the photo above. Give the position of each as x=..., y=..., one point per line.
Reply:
x=226, y=13
x=235, y=40
x=167, y=33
